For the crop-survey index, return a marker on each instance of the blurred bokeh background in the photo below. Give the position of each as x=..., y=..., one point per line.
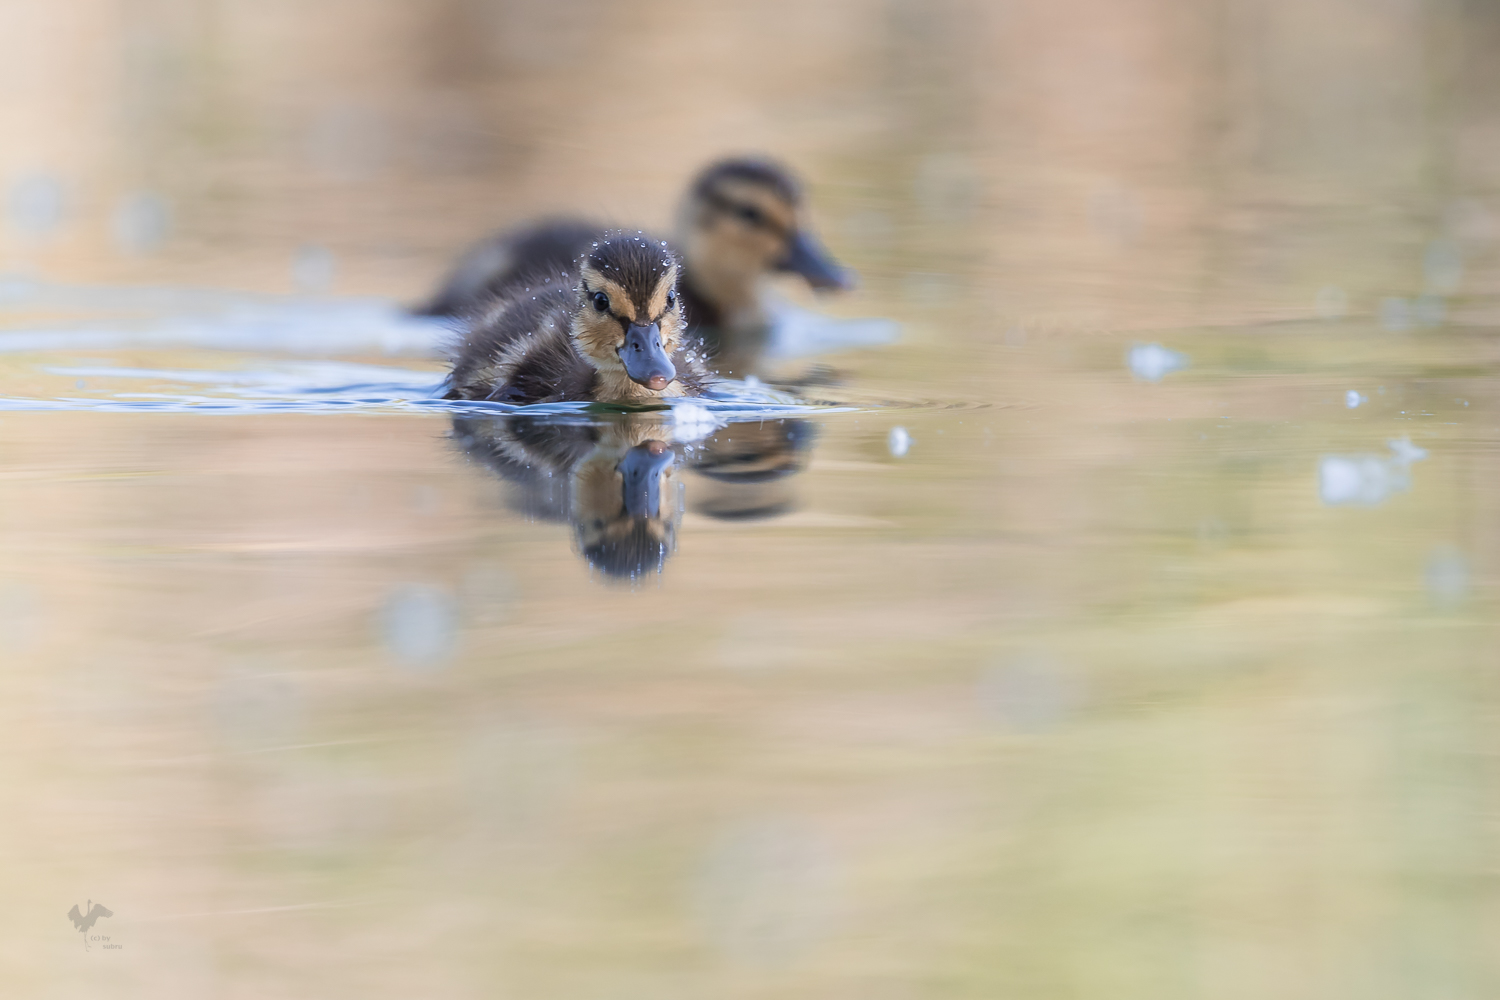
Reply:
x=1215, y=158
x=1157, y=661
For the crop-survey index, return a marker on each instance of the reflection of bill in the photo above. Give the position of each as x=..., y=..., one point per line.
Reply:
x=615, y=478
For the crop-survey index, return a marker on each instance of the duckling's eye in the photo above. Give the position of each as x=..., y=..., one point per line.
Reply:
x=601, y=302
x=671, y=300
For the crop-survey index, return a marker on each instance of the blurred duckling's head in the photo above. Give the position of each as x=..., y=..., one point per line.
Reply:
x=625, y=510
x=629, y=321
x=744, y=218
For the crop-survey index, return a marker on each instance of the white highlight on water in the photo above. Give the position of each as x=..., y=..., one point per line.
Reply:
x=899, y=441
x=1367, y=480
x=692, y=421
x=1153, y=362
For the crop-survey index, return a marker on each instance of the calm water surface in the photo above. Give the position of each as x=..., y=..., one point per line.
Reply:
x=1080, y=685
x=1127, y=631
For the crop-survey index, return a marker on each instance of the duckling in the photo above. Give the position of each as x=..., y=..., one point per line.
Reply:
x=612, y=335
x=741, y=220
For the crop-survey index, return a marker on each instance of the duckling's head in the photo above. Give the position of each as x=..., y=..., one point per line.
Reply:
x=744, y=218
x=624, y=510
x=629, y=321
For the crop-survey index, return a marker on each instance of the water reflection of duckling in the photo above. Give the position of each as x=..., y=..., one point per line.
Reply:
x=614, y=482
x=624, y=512
x=614, y=337
x=741, y=221
x=750, y=469
x=533, y=455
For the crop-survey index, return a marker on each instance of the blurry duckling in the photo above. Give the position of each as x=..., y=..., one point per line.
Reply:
x=741, y=221
x=614, y=334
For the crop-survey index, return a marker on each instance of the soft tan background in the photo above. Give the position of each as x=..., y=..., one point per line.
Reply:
x=1089, y=695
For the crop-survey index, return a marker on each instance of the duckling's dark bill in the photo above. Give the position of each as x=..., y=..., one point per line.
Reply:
x=646, y=361
x=807, y=257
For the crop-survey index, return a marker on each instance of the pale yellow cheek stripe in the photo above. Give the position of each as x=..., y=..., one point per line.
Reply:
x=619, y=302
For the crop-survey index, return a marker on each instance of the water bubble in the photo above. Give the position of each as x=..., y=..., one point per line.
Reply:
x=1352, y=399
x=312, y=268
x=1367, y=480
x=1363, y=479
x=1395, y=315
x=1153, y=362
x=37, y=204
x=1404, y=451
x=420, y=625
x=1332, y=302
x=141, y=222
x=898, y=442
x=1443, y=267
x=1447, y=576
